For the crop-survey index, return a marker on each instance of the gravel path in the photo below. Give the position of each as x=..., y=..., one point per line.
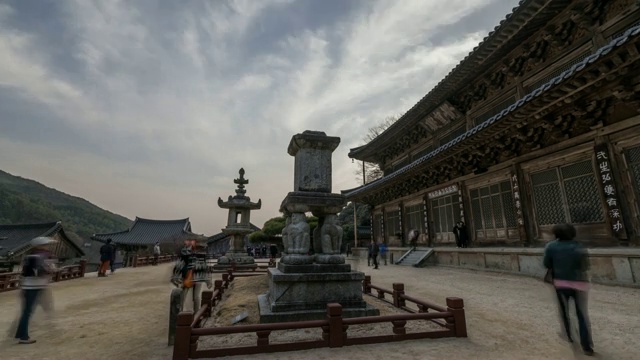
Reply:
x=125, y=316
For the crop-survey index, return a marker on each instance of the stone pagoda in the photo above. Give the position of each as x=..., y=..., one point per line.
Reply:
x=303, y=284
x=238, y=225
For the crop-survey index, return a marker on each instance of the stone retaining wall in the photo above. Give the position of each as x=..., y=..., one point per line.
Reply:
x=613, y=266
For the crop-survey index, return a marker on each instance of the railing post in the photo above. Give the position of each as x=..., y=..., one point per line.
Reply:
x=230, y=272
x=336, y=332
x=456, y=307
x=174, y=310
x=217, y=285
x=366, y=284
x=135, y=260
x=182, y=345
x=398, y=291
x=263, y=337
x=207, y=298
x=83, y=267
x=225, y=281
x=56, y=276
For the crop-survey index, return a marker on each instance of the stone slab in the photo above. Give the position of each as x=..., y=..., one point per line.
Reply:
x=319, y=204
x=622, y=268
x=267, y=316
x=313, y=291
x=314, y=268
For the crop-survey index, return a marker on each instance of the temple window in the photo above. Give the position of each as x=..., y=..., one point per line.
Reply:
x=393, y=223
x=633, y=158
x=493, y=211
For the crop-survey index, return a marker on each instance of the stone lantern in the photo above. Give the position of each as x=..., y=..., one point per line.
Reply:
x=238, y=224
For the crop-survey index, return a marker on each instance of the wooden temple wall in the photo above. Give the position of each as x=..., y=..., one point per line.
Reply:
x=592, y=182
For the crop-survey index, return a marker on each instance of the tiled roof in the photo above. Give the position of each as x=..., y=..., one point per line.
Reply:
x=15, y=238
x=148, y=232
x=551, y=84
x=222, y=236
x=524, y=20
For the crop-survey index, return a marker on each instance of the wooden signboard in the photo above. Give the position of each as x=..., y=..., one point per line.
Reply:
x=608, y=187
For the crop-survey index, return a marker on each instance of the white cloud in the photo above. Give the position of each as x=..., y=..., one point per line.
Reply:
x=173, y=103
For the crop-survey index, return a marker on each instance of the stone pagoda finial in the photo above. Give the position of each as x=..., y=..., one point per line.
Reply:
x=241, y=181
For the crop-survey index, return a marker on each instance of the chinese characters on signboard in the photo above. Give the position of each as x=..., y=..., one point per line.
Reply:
x=609, y=187
x=444, y=191
x=517, y=199
x=461, y=206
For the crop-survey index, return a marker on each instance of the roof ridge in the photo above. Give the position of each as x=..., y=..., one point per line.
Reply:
x=139, y=219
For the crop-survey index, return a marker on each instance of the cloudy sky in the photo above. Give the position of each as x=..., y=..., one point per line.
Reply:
x=149, y=108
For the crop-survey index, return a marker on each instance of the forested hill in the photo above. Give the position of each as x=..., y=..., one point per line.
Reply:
x=25, y=201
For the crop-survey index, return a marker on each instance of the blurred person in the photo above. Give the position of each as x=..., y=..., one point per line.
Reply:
x=460, y=231
x=370, y=252
x=375, y=251
x=156, y=253
x=105, y=258
x=36, y=275
x=413, y=238
x=568, y=263
x=188, y=258
x=114, y=252
x=383, y=252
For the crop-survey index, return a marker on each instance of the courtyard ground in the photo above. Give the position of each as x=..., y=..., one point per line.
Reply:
x=125, y=316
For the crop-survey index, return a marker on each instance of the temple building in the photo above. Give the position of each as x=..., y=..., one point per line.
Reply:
x=144, y=233
x=14, y=241
x=538, y=125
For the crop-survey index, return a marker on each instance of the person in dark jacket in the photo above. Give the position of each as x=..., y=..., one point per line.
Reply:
x=106, y=252
x=36, y=274
x=374, y=254
x=114, y=252
x=370, y=252
x=460, y=231
x=568, y=262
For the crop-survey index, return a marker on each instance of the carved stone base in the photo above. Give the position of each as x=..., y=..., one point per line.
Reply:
x=297, y=259
x=314, y=268
x=304, y=296
x=329, y=259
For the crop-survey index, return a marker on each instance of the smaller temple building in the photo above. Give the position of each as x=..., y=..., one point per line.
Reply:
x=14, y=241
x=145, y=233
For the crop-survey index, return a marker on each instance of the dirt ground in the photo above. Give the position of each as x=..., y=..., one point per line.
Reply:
x=510, y=317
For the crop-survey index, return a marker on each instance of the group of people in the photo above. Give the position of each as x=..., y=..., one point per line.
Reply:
x=108, y=253
x=376, y=250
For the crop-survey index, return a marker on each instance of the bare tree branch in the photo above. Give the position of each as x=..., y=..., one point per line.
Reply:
x=373, y=171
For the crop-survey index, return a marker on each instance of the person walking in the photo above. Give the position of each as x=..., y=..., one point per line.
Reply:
x=413, y=238
x=567, y=261
x=156, y=253
x=370, y=252
x=106, y=252
x=114, y=252
x=36, y=274
x=375, y=251
x=383, y=252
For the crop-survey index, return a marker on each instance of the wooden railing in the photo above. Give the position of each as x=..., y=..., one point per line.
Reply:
x=137, y=261
x=334, y=328
x=11, y=281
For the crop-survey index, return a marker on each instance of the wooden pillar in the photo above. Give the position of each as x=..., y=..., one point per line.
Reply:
x=182, y=345
x=366, y=284
x=83, y=267
x=456, y=307
x=429, y=224
x=398, y=292
x=336, y=333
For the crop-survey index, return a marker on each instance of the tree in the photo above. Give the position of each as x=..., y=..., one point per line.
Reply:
x=363, y=218
x=372, y=171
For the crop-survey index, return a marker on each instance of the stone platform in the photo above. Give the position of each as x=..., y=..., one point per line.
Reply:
x=304, y=294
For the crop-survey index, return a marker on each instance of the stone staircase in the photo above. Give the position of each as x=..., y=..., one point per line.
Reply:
x=415, y=257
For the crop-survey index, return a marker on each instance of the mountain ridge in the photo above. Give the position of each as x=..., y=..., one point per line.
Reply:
x=24, y=201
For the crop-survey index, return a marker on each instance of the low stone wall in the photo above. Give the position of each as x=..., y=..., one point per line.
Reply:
x=616, y=266
x=613, y=266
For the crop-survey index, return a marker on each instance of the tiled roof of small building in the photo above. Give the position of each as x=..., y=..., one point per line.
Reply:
x=148, y=232
x=551, y=84
x=16, y=238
